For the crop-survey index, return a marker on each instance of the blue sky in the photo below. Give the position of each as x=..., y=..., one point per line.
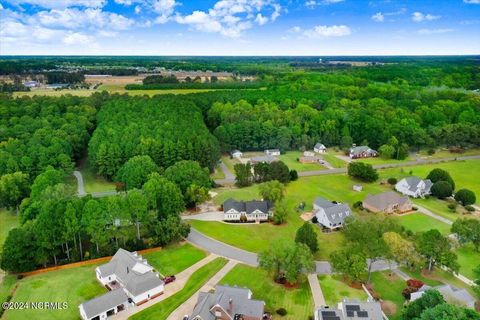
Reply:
x=239, y=27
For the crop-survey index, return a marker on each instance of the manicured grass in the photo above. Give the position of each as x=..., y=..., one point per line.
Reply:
x=73, y=286
x=335, y=290
x=389, y=287
x=164, y=308
x=443, y=153
x=440, y=207
x=379, y=160
x=8, y=221
x=217, y=174
x=175, y=258
x=94, y=182
x=248, y=193
x=6, y=286
x=334, y=161
x=468, y=259
x=297, y=301
x=419, y=222
x=290, y=158
x=419, y=275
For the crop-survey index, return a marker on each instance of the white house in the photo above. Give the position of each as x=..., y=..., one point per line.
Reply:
x=319, y=148
x=127, y=273
x=236, y=154
x=252, y=210
x=329, y=214
x=272, y=152
x=414, y=187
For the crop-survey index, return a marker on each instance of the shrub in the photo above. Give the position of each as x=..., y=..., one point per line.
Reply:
x=281, y=311
x=392, y=181
x=362, y=171
x=469, y=208
x=465, y=197
x=415, y=283
x=408, y=291
x=414, y=208
x=314, y=219
x=452, y=206
x=293, y=175
x=437, y=175
x=358, y=205
x=431, y=152
x=442, y=189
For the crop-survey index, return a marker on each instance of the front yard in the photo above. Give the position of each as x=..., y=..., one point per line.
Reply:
x=297, y=301
x=335, y=290
x=419, y=222
x=175, y=258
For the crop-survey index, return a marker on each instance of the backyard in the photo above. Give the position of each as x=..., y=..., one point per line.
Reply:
x=389, y=287
x=335, y=290
x=297, y=301
x=164, y=308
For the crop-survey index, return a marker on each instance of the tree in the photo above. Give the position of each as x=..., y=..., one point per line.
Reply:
x=351, y=264
x=49, y=177
x=286, y=259
x=362, y=171
x=19, y=250
x=293, y=175
x=308, y=236
x=195, y=195
x=386, y=151
x=185, y=173
x=465, y=197
x=136, y=204
x=272, y=191
x=279, y=171
x=476, y=287
x=171, y=229
x=436, y=248
x=164, y=196
x=438, y=174
x=445, y=311
x=429, y=299
x=282, y=211
x=243, y=174
x=134, y=173
x=402, y=250
x=14, y=187
x=442, y=189
x=94, y=219
x=467, y=230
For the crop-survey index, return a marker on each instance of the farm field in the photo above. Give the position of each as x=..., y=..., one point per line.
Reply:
x=297, y=301
x=418, y=222
x=335, y=290
x=8, y=221
x=94, y=182
x=163, y=309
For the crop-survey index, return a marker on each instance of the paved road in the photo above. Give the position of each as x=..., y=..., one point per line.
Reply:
x=317, y=293
x=229, y=176
x=80, y=185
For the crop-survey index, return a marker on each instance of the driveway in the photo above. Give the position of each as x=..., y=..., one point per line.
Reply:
x=187, y=307
x=429, y=213
x=317, y=293
x=205, y=216
x=80, y=185
x=229, y=176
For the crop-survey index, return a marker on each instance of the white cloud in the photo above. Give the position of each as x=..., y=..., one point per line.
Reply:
x=138, y=9
x=472, y=1
x=76, y=38
x=165, y=9
x=419, y=17
x=295, y=29
x=327, y=31
x=59, y=4
x=261, y=20
x=378, y=17
x=433, y=31
x=313, y=3
x=107, y=34
x=124, y=2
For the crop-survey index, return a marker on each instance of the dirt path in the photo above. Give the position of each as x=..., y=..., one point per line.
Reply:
x=80, y=185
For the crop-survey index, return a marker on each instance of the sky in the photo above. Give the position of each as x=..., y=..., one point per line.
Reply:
x=239, y=27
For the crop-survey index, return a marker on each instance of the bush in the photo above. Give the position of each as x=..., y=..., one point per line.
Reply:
x=392, y=181
x=437, y=175
x=315, y=219
x=442, y=189
x=465, y=197
x=469, y=208
x=452, y=206
x=408, y=291
x=293, y=175
x=362, y=171
x=414, y=208
x=358, y=205
x=281, y=311
x=415, y=283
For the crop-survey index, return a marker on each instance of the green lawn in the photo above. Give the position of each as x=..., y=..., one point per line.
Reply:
x=468, y=259
x=94, y=182
x=290, y=158
x=8, y=221
x=440, y=207
x=389, y=288
x=379, y=160
x=418, y=222
x=443, y=153
x=335, y=290
x=248, y=193
x=6, y=286
x=217, y=174
x=164, y=308
x=229, y=163
x=297, y=301
x=175, y=258
x=334, y=161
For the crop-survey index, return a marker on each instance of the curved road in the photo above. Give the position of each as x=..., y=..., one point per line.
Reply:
x=81, y=188
x=222, y=249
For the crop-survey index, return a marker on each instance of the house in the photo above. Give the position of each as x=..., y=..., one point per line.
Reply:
x=362, y=152
x=31, y=84
x=272, y=152
x=357, y=187
x=127, y=273
x=451, y=294
x=310, y=159
x=236, y=154
x=252, y=210
x=387, y=202
x=414, y=187
x=351, y=309
x=228, y=303
x=329, y=214
x=263, y=159
x=319, y=148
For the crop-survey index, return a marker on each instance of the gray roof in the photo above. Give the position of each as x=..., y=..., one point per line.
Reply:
x=382, y=200
x=239, y=297
x=333, y=210
x=353, y=309
x=449, y=291
x=414, y=181
x=104, y=302
x=122, y=265
x=360, y=149
x=267, y=159
x=247, y=206
x=319, y=146
x=329, y=314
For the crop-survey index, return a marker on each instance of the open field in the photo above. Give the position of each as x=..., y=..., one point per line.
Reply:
x=335, y=290
x=379, y=160
x=418, y=222
x=8, y=221
x=389, y=287
x=6, y=286
x=164, y=308
x=248, y=193
x=290, y=158
x=297, y=301
x=94, y=182
x=444, y=153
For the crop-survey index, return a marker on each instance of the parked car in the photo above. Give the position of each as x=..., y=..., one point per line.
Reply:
x=185, y=317
x=169, y=279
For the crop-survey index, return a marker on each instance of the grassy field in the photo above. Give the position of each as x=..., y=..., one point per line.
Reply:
x=297, y=301
x=94, y=182
x=175, y=258
x=334, y=290
x=389, y=287
x=248, y=193
x=290, y=158
x=6, y=286
x=444, y=153
x=334, y=161
x=8, y=221
x=229, y=163
x=164, y=308
x=468, y=259
x=418, y=222
x=379, y=160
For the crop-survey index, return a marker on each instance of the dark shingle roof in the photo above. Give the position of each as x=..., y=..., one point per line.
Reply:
x=104, y=302
x=247, y=206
